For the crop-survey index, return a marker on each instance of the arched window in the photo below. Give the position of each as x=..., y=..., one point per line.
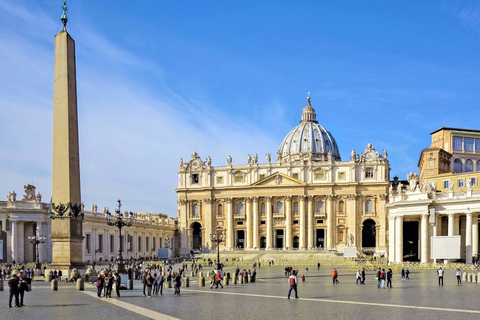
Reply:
x=369, y=206
x=320, y=206
x=279, y=207
x=240, y=208
x=457, y=165
x=295, y=207
x=341, y=206
x=262, y=208
x=469, y=165
x=196, y=212
x=220, y=210
x=478, y=163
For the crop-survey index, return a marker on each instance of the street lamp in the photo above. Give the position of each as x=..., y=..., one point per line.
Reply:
x=119, y=221
x=218, y=237
x=37, y=239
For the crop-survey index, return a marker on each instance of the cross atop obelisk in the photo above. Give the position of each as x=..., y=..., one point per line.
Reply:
x=65, y=211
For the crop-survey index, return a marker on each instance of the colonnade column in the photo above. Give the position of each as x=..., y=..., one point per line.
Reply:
x=302, y=223
x=268, y=210
x=451, y=224
x=331, y=223
x=209, y=215
x=399, y=239
x=229, y=223
x=288, y=222
x=468, y=239
x=391, y=239
x=310, y=222
x=255, y=223
x=184, y=250
x=475, y=235
x=424, y=245
x=249, y=222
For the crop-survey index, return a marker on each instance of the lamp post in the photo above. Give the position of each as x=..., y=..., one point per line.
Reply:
x=37, y=239
x=119, y=221
x=218, y=237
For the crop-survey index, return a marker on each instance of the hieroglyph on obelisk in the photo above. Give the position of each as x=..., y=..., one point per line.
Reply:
x=65, y=211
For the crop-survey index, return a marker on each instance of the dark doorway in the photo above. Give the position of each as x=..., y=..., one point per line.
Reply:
x=295, y=242
x=320, y=239
x=197, y=236
x=279, y=239
x=263, y=243
x=410, y=241
x=240, y=239
x=369, y=234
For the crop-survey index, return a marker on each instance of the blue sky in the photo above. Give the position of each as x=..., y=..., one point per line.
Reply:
x=157, y=80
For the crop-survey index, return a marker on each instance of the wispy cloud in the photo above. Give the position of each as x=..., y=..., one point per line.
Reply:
x=471, y=17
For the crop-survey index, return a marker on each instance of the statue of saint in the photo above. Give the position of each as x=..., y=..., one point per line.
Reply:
x=180, y=163
x=249, y=158
x=209, y=161
x=353, y=155
x=255, y=158
x=39, y=197
x=268, y=157
x=229, y=160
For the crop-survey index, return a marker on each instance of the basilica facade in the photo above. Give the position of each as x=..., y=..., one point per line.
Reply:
x=306, y=199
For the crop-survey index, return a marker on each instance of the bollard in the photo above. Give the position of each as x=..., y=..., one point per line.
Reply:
x=80, y=284
x=249, y=278
x=464, y=276
x=201, y=282
x=225, y=281
x=48, y=277
x=54, y=285
x=478, y=277
x=469, y=277
x=201, y=274
x=209, y=274
x=186, y=282
x=474, y=277
x=1, y=285
x=192, y=274
x=130, y=284
x=234, y=278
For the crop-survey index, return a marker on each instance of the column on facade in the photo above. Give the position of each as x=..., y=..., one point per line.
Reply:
x=184, y=250
x=399, y=238
x=255, y=223
x=302, y=222
x=377, y=236
x=331, y=223
x=310, y=222
x=352, y=214
x=209, y=217
x=391, y=238
x=424, y=239
x=249, y=217
x=475, y=235
x=18, y=241
x=230, y=234
x=269, y=213
x=468, y=238
x=288, y=222
x=451, y=224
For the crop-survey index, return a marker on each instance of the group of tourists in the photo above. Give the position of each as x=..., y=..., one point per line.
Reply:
x=105, y=281
x=18, y=285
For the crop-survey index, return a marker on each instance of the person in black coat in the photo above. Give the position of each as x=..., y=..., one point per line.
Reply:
x=118, y=282
x=13, y=284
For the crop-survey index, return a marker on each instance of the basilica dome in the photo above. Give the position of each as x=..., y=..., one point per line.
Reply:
x=309, y=140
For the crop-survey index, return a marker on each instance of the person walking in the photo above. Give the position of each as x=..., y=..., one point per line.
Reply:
x=403, y=274
x=293, y=282
x=13, y=285
x=335, y=276
x=407, y=272
x=363, y=276
x=383, y=275
x=99, y=283
x=440, y=273
x=318, y=266
x=358, y=277
x=458, y=273
x=218, y=278
x=118, y=283
x=159, y=284
x=389, y=277
x=303, y=278
x=212, y=279
x=377, y=276
x=144, y=282
x=178, y=283
x=149, y=282
x=22, y=287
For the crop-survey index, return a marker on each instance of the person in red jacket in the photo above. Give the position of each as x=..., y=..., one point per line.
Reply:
x=335, y=276
x=293, y=282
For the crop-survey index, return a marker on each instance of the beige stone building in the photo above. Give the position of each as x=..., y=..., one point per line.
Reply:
x=308, y=198
x=443, y=200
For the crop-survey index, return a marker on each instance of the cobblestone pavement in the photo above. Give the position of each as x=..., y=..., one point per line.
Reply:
x=420, y=297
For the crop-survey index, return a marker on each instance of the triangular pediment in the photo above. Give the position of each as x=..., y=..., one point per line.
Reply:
x=278, y=179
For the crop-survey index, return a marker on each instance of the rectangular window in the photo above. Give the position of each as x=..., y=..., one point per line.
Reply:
x=239, y=223
x=468, y=144
x=368, y=173
x=88, y=243
x=319, y=221
x=100, y=243
x=295, y=208
x=112, y=243
x=295, y=221
x=195, y=178
x=461, y=183
x=262, y=209
x=153, y=243
x=295, y=176
x=341, y=176
x=130, y=243
x=457, y=143
x=319, y=176
x=238, y=178
x=147, y=244
x=474, y=181
x=262, y=222
x=477, y=145
x=219, y=179
x=445, y=184
x=432, y=164
x=139, y=244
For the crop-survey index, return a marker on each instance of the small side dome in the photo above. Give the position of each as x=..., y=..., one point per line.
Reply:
x=309, y=138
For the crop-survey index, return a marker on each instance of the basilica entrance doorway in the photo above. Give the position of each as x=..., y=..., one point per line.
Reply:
x=279, y=239
x=369, y=234
x=263, y=243
x=295, y=242
x=241, y=239
x=196, y=236
x=320, y=243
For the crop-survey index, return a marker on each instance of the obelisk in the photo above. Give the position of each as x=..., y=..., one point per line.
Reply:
x=65, y=211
